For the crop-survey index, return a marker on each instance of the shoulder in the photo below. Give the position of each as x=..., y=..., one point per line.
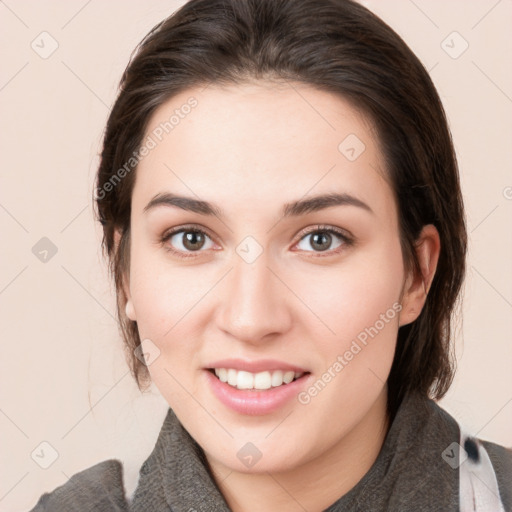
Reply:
x=484, y=470
x=98, y=488
x=501, y=459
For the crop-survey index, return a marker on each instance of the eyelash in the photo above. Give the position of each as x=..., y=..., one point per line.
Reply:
x=347, y=241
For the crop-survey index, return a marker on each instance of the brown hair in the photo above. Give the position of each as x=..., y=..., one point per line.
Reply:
x=336, y=46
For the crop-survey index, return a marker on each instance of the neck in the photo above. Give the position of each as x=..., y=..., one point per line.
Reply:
x=319, y=483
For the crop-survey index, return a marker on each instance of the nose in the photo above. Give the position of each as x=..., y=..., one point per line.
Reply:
x=255, y=305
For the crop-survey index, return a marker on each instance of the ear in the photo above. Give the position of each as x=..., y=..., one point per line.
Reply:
x=417, y=285
x=129, y=309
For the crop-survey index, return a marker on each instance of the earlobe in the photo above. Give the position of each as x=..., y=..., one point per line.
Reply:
x=417, y=286
x=130, y=310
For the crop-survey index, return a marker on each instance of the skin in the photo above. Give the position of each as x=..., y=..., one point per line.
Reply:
x=250, y=149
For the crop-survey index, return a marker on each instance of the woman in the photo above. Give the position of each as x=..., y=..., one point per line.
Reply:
x=282, y=213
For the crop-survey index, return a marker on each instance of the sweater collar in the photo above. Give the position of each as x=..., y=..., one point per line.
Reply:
x=176, y=476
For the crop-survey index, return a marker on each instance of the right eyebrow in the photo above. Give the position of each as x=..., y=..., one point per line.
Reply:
x=185, y=203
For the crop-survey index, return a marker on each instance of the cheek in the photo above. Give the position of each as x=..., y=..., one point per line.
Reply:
x=168, y=303
x=163, y=294
x=166, y=300
x=360, y=305
x=352, y=297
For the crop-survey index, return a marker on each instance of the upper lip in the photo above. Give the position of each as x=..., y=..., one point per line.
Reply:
x=260, y=365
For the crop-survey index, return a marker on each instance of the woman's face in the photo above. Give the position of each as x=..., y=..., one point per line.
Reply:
x=267, y=281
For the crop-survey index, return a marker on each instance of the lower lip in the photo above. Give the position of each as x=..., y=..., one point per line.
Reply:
x=254, y=402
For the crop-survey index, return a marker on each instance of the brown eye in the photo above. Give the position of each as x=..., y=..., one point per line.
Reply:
x=193, y=240
x=188, y=240
x=322, y=240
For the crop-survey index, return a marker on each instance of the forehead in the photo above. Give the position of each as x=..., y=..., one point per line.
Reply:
x=260, y=142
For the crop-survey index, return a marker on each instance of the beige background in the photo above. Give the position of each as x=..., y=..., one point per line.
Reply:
x=63, y=376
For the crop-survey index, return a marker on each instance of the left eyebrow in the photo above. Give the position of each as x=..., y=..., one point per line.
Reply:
x=292, y=209
x=321, y=202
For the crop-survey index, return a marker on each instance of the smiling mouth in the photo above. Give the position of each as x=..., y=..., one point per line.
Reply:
x=260, y=381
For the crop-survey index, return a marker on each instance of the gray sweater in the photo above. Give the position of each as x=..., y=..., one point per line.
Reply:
x=413, y=472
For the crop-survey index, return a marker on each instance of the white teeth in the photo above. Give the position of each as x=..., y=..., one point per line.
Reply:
x=277, y=378
x=231, y=377
x=244, y=380
x=288, y=377
x=261, y=381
